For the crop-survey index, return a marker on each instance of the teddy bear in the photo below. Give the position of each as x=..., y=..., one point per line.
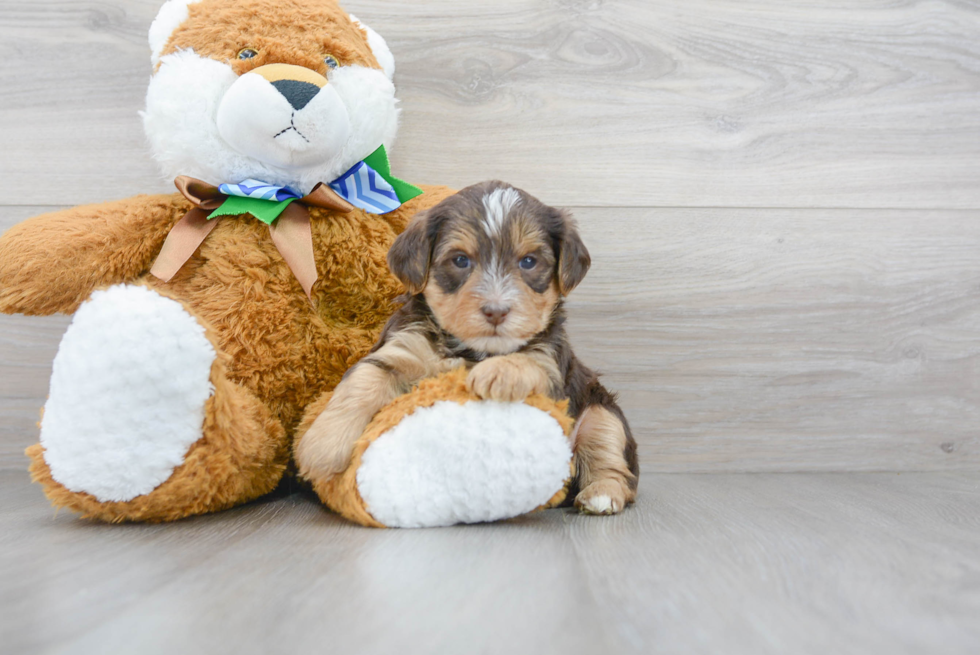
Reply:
x=208, y=322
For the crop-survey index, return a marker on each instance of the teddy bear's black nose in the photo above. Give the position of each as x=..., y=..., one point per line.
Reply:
x=297, y=93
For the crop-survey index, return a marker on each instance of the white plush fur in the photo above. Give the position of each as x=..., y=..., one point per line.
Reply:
x=127, y=396
x=204, y=121
x=379, y=47
x=188, y=91
x=172, y=15
x=453, y=463
x=253, y=109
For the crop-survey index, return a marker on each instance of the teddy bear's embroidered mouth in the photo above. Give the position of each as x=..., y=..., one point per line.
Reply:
x=292, y=128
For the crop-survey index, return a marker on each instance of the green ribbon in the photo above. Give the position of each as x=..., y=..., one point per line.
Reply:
x=266, y=211
x=378, y=160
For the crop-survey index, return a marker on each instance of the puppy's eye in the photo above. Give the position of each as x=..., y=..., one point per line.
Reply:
x=461, y=261
x=528, y=263
x=331, y=62
x=247, y=53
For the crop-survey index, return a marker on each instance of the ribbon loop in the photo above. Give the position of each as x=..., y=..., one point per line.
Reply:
x=199, y=193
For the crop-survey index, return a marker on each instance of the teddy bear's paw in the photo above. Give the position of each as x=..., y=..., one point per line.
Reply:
x=451, y=463
x=128, y=392
x=606, y=496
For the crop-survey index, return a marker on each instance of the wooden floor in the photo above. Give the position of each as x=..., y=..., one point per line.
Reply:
x=782, y=200
x=705, y=563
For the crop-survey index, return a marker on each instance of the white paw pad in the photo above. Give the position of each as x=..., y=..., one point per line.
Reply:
x=452, y=463
x=128, y=389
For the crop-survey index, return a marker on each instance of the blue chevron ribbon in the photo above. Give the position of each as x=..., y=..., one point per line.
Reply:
x=257, y=190
x=368, y=185
x=364, y=188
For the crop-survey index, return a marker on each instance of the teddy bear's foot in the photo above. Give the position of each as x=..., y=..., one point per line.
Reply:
x=452, y=463
x=142, y=424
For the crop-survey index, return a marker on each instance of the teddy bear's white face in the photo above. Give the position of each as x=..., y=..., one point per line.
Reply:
x=288, y=92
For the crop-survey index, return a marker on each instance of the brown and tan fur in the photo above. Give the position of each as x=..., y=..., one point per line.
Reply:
x=277, y=354
x=486, y=271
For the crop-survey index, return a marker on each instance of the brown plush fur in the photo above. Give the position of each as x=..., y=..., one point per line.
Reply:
x=340, y=492
x=51, y=263
x=277, y=354
x=220, y=32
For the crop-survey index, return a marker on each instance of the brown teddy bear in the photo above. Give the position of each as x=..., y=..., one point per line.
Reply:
x=208, y=320
x=209, y=325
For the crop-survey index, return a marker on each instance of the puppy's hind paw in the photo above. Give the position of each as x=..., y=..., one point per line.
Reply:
x=602, y=497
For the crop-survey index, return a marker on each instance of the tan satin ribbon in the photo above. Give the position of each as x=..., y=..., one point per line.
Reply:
x=291, y=232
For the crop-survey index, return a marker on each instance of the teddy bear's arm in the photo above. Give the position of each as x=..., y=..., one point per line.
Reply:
x=51, y=263
x=431, y=197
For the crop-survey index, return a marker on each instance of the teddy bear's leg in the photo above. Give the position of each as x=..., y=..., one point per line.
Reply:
x=143, y=424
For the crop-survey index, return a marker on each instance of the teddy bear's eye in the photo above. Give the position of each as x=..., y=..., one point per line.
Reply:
x=247, y=53
x=331, y=62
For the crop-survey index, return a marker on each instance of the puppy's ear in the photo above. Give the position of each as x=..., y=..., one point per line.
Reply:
x=409, y=256
x=573, y=257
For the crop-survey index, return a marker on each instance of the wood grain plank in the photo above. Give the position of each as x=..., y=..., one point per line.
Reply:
x=797, y=563
x=742, y=340
x=787, y=339
x=695, y=103
x=587, y=102
x=62, y=576
x=74, y=78
x=27, y=348
x=286, y=576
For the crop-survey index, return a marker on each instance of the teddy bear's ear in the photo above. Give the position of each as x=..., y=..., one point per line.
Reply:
x=171, y=16
x=411, y=253
x=379, y=47
x=573, y=257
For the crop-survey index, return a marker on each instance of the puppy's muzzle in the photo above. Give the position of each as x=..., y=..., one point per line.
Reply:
x=298, y=85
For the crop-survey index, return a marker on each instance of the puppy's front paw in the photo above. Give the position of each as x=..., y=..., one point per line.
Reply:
x=602, y=497
x=504, y=378
x=325, y=450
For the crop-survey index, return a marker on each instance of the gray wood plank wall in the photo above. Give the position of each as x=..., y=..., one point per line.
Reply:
x=781, y=199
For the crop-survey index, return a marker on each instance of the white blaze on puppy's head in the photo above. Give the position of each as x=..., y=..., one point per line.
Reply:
x=497, y=205
x=291, y=92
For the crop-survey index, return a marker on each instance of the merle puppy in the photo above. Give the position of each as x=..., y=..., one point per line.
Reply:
x=486, y=271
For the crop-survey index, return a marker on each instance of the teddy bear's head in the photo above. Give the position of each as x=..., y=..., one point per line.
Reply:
x=289, y=92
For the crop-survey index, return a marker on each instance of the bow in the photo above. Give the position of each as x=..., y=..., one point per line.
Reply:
x=368, y=185
x=289, y=226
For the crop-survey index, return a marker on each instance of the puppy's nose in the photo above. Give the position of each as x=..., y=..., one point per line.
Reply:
x=297, y=93
x=495, y=315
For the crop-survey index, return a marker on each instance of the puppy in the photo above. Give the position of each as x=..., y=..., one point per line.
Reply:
x=486, y=271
